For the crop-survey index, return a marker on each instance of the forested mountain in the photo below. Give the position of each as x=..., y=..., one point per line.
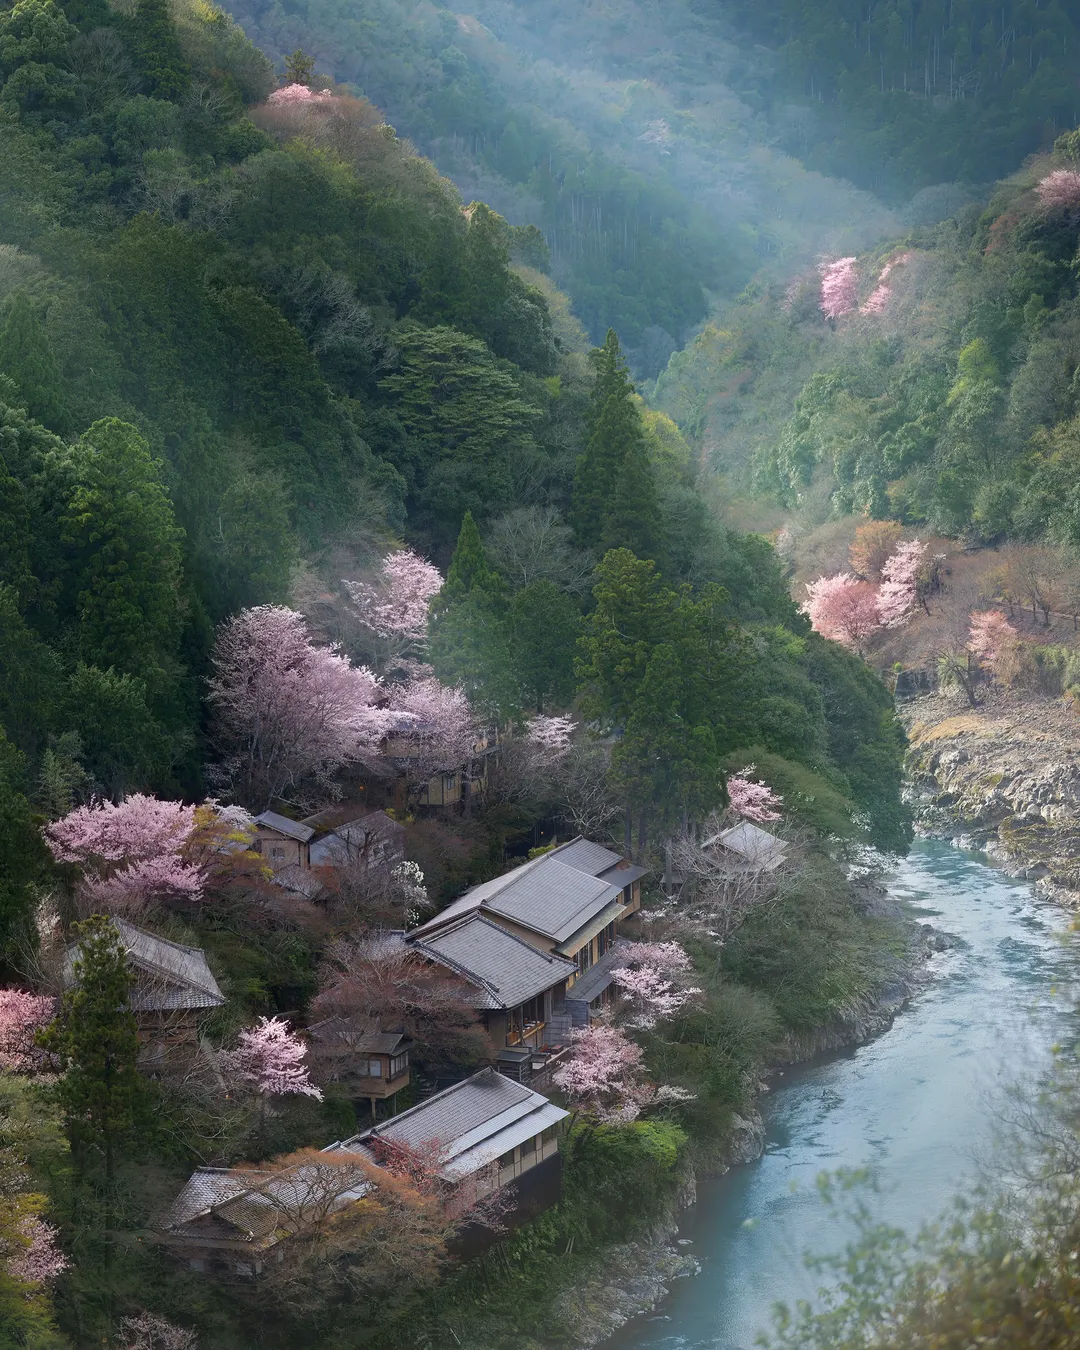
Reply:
x=615, y=129
x=941, y=389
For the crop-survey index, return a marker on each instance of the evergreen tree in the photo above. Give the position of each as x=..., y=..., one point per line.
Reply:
x=15, y=535
x=23, y=859
x=156, y=48
x=633, y=517
x=124, y=562
x=544, y=623
x=615, y=435
x=27, y=358
x=469, y=568
x=299, y=67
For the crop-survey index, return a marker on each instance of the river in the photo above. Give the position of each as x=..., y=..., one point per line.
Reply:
x=918, y=1105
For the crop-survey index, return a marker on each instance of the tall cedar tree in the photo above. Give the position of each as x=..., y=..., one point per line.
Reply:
x=614, y=498
x=156, y=47
x=96, y=1039
x=469, y=568
x=27, y=358
x=22, y=855
x=544, y=626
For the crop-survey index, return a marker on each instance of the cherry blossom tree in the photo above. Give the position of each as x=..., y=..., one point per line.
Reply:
x=843, y=608
x=993, y=641
x=900, y=578
x=605, y=1075
x=148, y=1331
x=286, y=710
x=879, y=297
x=394, y=608
x=1060, y=188
x=140, y=827
x=39, y=1258
x=550, y=735
x=269, y=1059
x=648, y=978
x=839, y=288
x=754, y=800
x=298, y=94
x=21, y=1015
x=436, y=732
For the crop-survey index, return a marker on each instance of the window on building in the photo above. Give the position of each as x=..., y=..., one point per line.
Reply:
x=528, y=1148
x=375, y=1068
x=585, y=958
x=277, y=852
x=398, y=1065
x=549, y=1135
x=507, y=1160
x=533, y=1010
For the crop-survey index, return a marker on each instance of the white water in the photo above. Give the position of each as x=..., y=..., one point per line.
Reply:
x=919, y=1105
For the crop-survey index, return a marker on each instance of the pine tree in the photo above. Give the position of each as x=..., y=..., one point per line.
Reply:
x=22, y=857
x=469, y=568
x=299, y=67
x=27, y=358
x=615, y=435
x=544, y=625
x=633, y=517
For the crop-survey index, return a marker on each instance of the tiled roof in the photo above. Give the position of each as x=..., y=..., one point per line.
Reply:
x=362, y=1040
x=505, y=969
x=555, y=894
x=468, y=1120
x=169, y=976
x=553, y=898
x=374, y=837
x=206, y=1188
x=294, y=829
x=757, y=846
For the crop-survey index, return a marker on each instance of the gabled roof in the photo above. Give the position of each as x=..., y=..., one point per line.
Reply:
x=357, y=1038
x=169, y=976
x=375, y=836
x=755, y=846
x=293, y=829
x=472, y=1123
x=505, y=970
x=555, y=895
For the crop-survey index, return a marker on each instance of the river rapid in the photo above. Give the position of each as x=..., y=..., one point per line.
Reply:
x=920, y=1105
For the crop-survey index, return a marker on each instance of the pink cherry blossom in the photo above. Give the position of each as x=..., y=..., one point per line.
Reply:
x=147, y=1331
x=1060, y=188
x=754, y=800
x=992, y=638
x=900, y=582
x=551, y=734
x=298, y=93
x=878, y=299
x=436, y=731
x=41, y=1259
x=843, y=608
x=22, y=1014
x=394, y=608
x=269, y=1059
x=644, y=978
x=287, y=710
x=604, y=1074
x=839, y=287
x=132, y=889
x=139, y=827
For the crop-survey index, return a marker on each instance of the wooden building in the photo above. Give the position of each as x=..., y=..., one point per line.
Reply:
x=172, y=990
x=748, y=848
x=479, y=1135
x=370, y=1063
x=567, y=902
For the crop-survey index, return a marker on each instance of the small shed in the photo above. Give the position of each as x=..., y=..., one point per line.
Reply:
x=281, y=841
x=370, y=1062
x=748, y=847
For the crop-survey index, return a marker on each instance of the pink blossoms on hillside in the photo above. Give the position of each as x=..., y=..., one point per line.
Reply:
x=1060, y=188
x=839, y=288
x=843, y=608
x=550, y=734
x=604, y=1074
x=437, y=730
x=285, y=709
x=298, y=93
x=22, y=1014
x=992, y=640
x=40, y=1258
x=269, y=1059
x=755, y=801
x=900, y=582
x=394, y=608
x=647, y=976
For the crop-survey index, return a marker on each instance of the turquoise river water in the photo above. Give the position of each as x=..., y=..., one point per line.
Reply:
x=920, y=1105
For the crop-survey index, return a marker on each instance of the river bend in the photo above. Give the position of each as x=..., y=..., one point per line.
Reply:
x=918, y=1104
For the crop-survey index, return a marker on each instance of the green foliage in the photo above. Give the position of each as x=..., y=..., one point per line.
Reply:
x=26, y=356
x=23, y=859
x=96, y=1040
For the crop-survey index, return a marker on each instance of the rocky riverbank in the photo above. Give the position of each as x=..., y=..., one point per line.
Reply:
x=1003, y=777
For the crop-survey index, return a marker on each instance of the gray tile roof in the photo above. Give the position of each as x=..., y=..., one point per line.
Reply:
x=623, y=876
x=342, y=1032
x=586, y=856
x=505, y=969
x=600, y=974
x=168, y=975
x=206, y=1188
x=375, y=838
x=553, y=898
x=470, y=1122
x=294, y=829
x=555, y=894
x=758, y=847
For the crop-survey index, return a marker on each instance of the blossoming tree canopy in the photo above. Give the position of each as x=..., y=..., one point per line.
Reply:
x=139, y=827
x=287, y=709
x=269, y=1059
x=550, y=734
x=604, y=1074
x=751, y=799
x=396, y=604
x=298, y=94
x=843, y=608
x=21, y=1015
x=437, y=729
x=38, y=1258
x=900, y=582
x=647, y=977
x=839, y=288
x=1060, y=188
